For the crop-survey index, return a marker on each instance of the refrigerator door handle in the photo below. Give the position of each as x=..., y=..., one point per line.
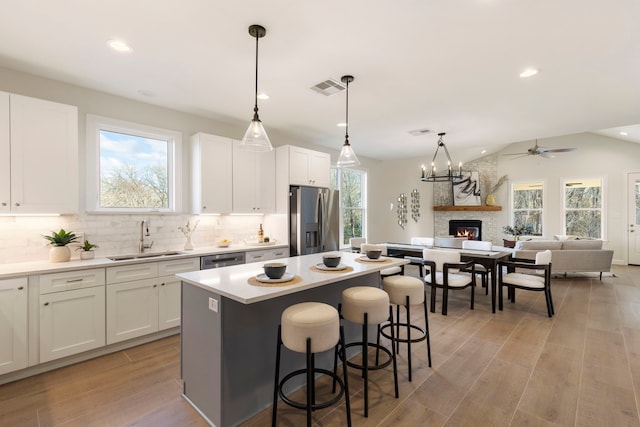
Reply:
x=320, y=217
x=324, y=220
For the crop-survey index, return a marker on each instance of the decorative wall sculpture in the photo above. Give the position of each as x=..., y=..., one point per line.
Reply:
x=415, y=204
x=402, y=210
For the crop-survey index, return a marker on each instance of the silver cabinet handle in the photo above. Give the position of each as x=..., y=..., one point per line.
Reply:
x=74, y=280
x=46, y=304
x=21, y=288
x=4, y=203
x=17, y=204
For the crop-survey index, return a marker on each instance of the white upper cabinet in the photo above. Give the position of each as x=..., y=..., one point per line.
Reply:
x=254, y=181
x=308, y=167
x=41, y=150
x=211, y=163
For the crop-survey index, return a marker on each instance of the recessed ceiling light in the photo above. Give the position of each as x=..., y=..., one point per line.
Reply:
x=119, y=46
x=341, y=125
x=263, y=96
x=529, y=72
x=483, y=151
x=623, y=133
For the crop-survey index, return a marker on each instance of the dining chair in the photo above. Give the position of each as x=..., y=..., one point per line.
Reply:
x=445, y=271
x=383, y=252
x=530, y=275
x=356, y=242
x=480, y=245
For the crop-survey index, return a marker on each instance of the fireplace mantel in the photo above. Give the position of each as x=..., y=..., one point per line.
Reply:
x=468, y=208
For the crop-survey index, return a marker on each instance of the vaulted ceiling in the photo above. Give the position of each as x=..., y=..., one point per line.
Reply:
x=443, y=65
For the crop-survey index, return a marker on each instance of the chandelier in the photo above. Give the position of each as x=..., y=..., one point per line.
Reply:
x=441, y=175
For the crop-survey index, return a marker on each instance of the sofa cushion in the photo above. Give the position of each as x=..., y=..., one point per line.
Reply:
x=582, y=244
x=539, y=245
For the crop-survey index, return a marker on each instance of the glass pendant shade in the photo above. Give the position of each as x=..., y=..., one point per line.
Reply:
x=347, y=157
x=256, y=138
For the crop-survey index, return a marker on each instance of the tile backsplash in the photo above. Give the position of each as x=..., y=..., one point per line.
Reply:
x=21, y=237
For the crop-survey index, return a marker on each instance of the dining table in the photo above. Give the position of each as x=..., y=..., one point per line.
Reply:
x=488, y=259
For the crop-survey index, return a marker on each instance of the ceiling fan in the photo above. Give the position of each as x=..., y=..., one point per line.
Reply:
x=536, y=150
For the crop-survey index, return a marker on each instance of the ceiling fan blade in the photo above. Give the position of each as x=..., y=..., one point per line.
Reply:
x=519, y=157
x=515, y=154
x=560, y=150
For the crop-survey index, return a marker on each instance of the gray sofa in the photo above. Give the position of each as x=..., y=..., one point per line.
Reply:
x=575, y=255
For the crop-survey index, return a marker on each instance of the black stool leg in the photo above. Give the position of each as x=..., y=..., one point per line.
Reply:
x=426, y=324
x=393, y=354
x=309, y=382
x=345, y=375
x=397, y=329
x=408, y=335
x=365, y=367
x=275, y=384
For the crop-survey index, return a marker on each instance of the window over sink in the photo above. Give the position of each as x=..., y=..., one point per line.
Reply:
x=352, y=184
x=132, y=167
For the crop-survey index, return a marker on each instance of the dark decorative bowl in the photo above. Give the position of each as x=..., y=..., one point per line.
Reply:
x=331, y=260
x=275, y=270
x=374, y=254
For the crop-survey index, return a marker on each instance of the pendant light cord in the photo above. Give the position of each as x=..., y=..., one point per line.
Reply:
x=346, y=128
x=255, y=107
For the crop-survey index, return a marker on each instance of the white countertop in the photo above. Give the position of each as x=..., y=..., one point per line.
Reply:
x=231, y=282
x=40, y=267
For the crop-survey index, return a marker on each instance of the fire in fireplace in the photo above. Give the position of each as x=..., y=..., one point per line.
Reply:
x=469, y=228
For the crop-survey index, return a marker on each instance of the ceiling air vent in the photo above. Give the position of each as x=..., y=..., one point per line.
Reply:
x=328, y=87
x=419, y=132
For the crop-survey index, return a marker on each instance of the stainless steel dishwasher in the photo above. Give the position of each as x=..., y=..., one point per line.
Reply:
x=221, y=260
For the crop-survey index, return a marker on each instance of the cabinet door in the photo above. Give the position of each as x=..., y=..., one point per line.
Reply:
x=132, y=309
x=71, y=322
x=279, y=253
x=211, y=166
x=298, y=166
x=245, y=177
x=258, y=256
x=5, y=159
x=266, y=181
x=169, y=308
x=13, y=325
x=44, y=156
x=319, y=169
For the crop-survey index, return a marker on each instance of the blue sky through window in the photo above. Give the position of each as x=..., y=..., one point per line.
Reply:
x=119, y=149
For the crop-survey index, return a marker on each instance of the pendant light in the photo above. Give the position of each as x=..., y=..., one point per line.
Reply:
x=256, y=138
x=347, y=157
x=445, y=174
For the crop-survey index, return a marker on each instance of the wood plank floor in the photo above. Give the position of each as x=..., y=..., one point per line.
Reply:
x=514, y=368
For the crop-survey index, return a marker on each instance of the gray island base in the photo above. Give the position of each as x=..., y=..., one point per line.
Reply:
x=228, y=355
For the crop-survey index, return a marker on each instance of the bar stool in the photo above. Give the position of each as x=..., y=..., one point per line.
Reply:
x=406, y=291
x=367, y=305
x=310, y=328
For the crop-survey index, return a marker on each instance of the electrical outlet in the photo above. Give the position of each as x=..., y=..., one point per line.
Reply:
x=213, y=304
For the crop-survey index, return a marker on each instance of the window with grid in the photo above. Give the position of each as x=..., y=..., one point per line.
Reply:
x=352, y=184
x=527, y=205
x=583, y=207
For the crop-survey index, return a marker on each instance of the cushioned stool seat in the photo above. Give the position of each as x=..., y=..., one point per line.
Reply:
x=310, y=327
x=367, y=305
x=406, y=291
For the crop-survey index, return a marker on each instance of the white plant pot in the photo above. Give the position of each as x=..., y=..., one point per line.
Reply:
x=59, y=254
x=87, y=255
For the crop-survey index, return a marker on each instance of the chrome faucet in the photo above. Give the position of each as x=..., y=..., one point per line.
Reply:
x=144, y=231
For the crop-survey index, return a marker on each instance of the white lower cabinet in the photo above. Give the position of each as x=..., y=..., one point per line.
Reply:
x=13, y=325
x=71, y=317
x=132, y=309
x=148, y=304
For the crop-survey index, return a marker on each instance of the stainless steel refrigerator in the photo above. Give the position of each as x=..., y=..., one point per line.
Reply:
x=314, y=220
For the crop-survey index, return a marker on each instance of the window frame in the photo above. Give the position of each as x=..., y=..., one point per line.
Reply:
x=95, y=124
x=543, y=213
x=603, y=203
x=337, y=173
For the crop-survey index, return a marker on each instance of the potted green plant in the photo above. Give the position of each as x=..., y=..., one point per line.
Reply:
x=87, y=250
x=516, y=231
x=59, y=240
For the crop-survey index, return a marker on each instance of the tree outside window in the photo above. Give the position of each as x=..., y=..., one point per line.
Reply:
x=352, y=184
x=583, y=208
x=527, y=206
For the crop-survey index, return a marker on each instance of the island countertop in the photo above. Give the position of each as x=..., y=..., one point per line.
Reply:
x=232, y=282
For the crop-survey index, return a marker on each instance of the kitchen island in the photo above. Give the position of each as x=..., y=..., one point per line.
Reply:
x=229, y=330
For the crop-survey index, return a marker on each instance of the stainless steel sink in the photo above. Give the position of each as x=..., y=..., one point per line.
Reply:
x=142, y=256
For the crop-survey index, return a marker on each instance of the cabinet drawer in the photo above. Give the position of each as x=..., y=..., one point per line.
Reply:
x=56, y=282
x=280, y=253
x=257, y=256
x=166, y=268
x=127, y=273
